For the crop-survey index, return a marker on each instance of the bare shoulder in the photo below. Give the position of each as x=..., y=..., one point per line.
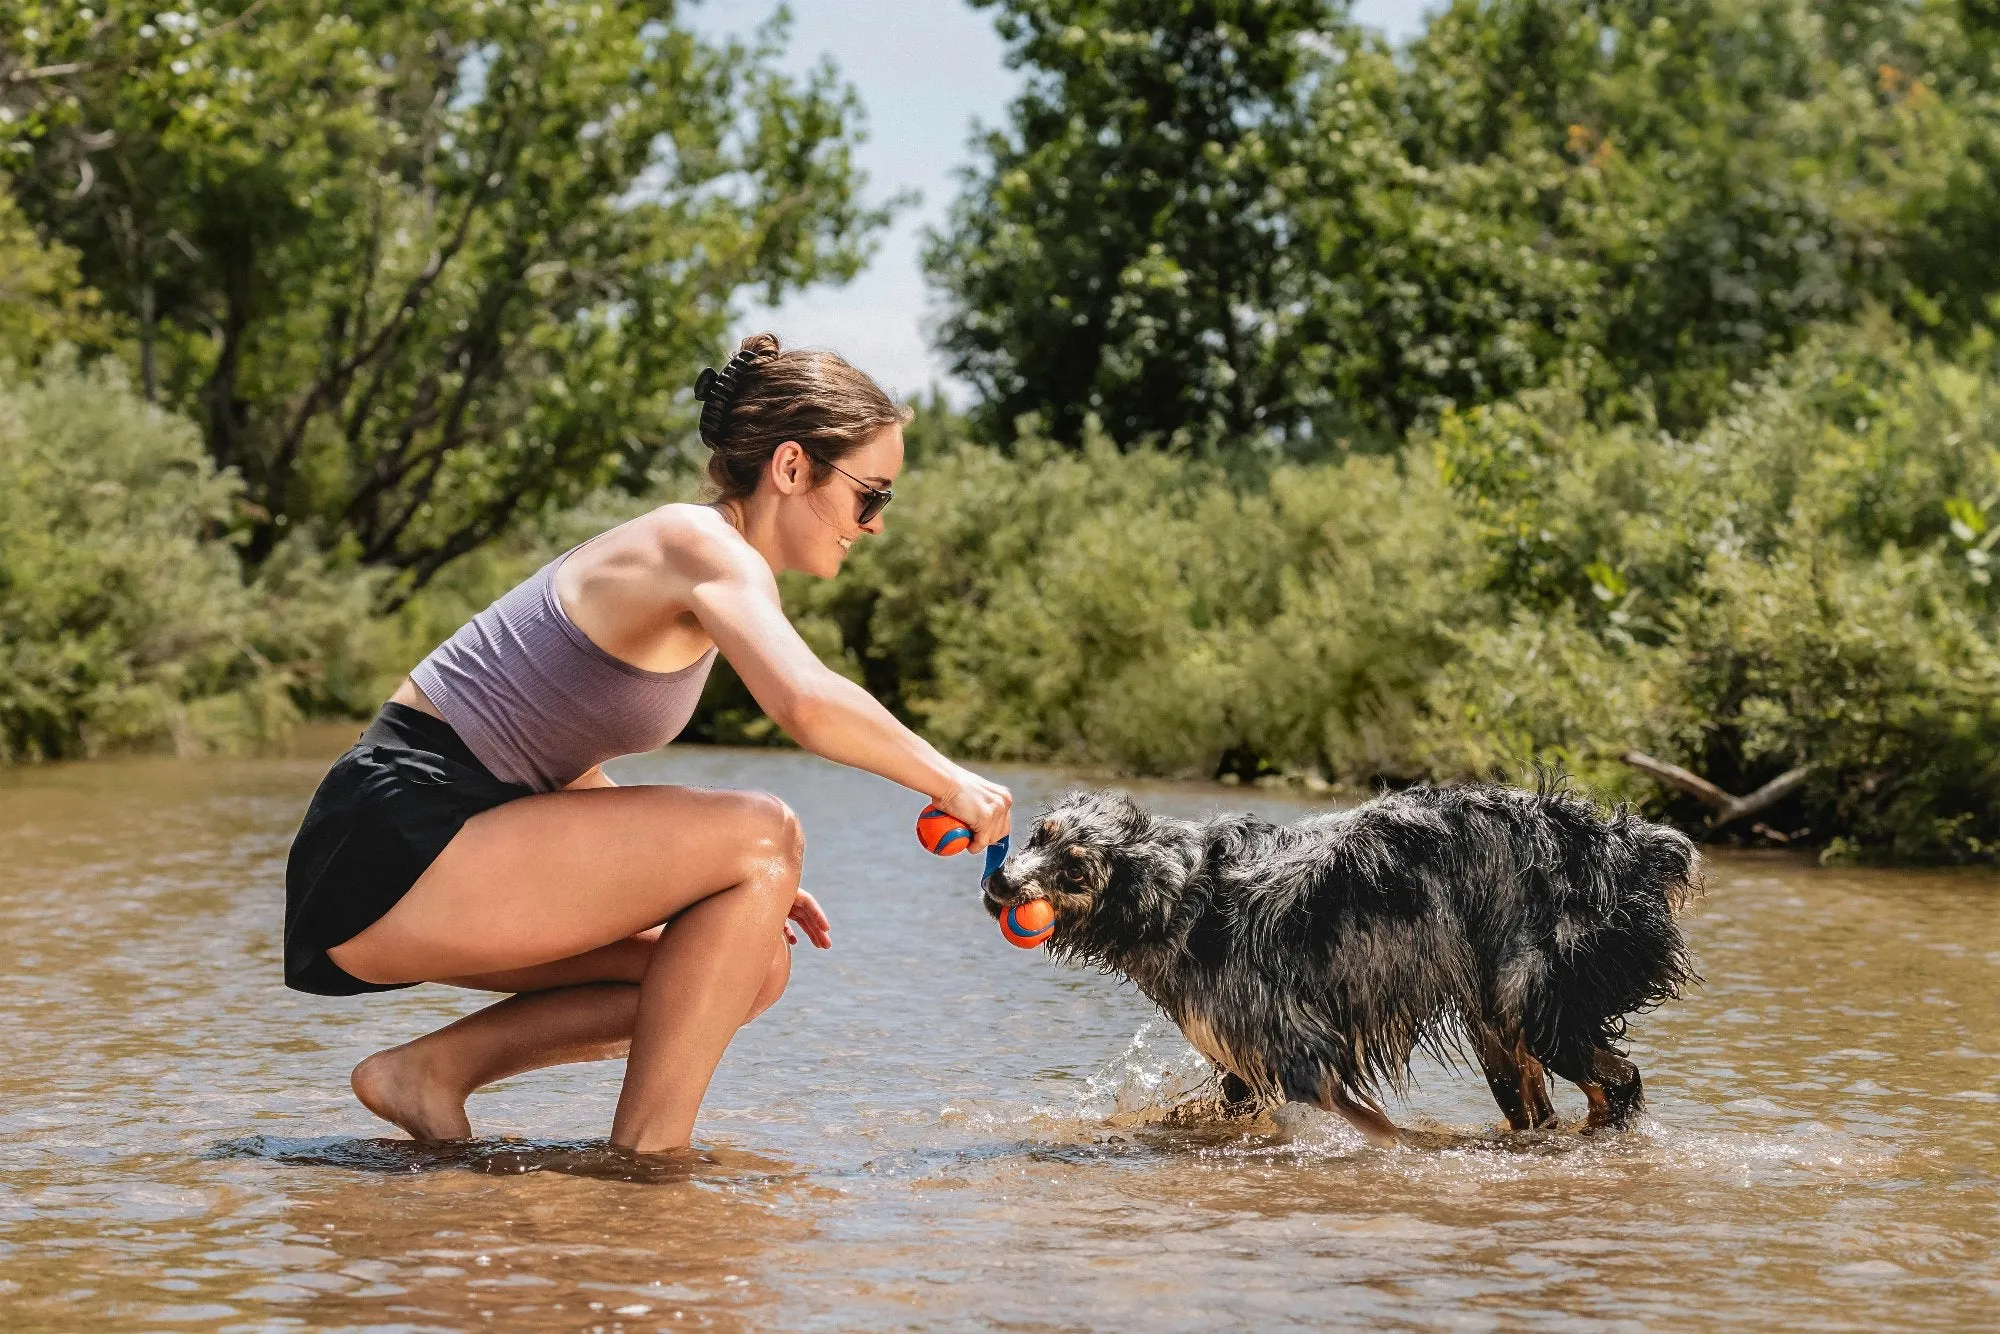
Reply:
x=696, y=544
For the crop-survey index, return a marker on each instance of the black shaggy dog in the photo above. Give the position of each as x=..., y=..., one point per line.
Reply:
x=1310, y=961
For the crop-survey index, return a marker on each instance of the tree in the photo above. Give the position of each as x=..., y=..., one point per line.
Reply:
x=1242, y=222
x=1723, y=174
x=423, y=270
x=1125, y=250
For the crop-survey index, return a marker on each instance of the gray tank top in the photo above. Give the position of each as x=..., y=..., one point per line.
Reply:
x=538, y=703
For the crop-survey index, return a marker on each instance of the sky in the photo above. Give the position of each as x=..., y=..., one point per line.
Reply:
x=927, y=71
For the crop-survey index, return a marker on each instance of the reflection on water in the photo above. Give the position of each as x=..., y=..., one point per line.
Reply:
x=509, y=1157
x=937, y=1130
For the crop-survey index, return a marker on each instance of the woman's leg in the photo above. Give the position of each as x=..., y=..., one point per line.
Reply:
x=556, y=1017
x=551, y=877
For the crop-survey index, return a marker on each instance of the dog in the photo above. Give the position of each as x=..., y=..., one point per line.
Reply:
x=1309, y=962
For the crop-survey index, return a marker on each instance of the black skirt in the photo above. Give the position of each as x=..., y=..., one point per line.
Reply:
x=381, y=816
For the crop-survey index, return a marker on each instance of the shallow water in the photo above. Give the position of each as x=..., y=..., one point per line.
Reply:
x=936, y=1130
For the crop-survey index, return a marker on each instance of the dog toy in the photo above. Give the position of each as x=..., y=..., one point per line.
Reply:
x=1028, y=924
x=942, y=833
x=996, y=853
x=946, y=835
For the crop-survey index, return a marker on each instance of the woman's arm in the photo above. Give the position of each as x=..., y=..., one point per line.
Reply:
x=735, y=598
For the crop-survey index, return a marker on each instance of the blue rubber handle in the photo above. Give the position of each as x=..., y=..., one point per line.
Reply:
x=996, y=853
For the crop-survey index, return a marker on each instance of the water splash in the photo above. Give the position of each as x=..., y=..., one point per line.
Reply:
x=1156, y=1074
x=1158, y=1079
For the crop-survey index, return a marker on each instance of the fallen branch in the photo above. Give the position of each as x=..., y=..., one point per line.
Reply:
x=42, y=72
x=1728, y=809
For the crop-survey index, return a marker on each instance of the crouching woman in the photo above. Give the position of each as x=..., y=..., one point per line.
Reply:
x=471, y=836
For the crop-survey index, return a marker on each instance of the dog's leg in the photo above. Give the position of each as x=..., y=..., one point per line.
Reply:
x=1504, y=1076
x=1238, y=1099
x=1611, y=1083
x=1517, y=1079
x=1534, y=1087
x=1624, y=1097
x=1361, y=1113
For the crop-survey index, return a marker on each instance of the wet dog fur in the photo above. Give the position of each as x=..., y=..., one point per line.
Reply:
x=1311, y=961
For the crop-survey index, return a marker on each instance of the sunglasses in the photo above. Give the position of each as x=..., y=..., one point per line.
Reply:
x=874, y=499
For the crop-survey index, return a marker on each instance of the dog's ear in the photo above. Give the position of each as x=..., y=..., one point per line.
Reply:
x=1126, y=817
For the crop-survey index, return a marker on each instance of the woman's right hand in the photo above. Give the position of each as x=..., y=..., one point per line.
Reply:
x=986, y=808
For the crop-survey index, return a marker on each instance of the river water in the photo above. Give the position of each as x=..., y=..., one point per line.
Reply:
x=936, y=1130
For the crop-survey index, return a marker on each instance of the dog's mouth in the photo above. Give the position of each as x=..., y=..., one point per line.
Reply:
x=997, y=905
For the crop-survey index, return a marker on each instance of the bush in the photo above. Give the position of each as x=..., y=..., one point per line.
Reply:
x=42, y=304
x=124, y=620
x=1154, y=613
x=1806, y=581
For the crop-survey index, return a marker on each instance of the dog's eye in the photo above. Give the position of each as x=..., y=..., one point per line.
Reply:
x=1072, y=874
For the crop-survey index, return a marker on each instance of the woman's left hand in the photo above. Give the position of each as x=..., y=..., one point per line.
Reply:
x=812, y=918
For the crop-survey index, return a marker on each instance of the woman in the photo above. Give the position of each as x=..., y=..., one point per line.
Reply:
x=471, y=835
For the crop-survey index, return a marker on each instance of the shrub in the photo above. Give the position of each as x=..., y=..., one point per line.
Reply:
x=124, y=620
x=1805, y=581
x=1154, y=613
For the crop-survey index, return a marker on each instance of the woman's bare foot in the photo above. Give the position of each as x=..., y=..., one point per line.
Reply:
x=399, y=1086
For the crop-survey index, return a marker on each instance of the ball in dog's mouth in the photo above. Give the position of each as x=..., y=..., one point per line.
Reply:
x=998, y=895
x=1021, y=904
x=1028, y=923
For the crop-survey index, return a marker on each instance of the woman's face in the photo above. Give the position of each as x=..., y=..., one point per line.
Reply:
x=817, y=525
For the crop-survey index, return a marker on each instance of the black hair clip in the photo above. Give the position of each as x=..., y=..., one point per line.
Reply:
x=717, y=390
x=714, y=389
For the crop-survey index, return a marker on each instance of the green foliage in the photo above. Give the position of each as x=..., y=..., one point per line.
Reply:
x=1593, y=375
x=934, y=428
x=42, y=303
x=1223, y=223
x=124, y=619
x=1146, y=612
x=423, y=272
x=1126, y=251
x=1804, y=581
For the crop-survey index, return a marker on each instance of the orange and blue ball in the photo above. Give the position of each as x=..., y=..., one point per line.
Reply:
x=1028, y=924
x=1025, y=924
x=942, y=832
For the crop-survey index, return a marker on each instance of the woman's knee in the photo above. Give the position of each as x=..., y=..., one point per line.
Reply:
x=774, y=841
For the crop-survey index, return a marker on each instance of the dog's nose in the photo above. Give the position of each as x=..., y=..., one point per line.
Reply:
x=995, y=892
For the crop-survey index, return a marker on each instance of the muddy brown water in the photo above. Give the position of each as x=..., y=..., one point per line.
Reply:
x=935, y=1130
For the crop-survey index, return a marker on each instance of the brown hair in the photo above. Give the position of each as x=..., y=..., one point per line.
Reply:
x=765, y=396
